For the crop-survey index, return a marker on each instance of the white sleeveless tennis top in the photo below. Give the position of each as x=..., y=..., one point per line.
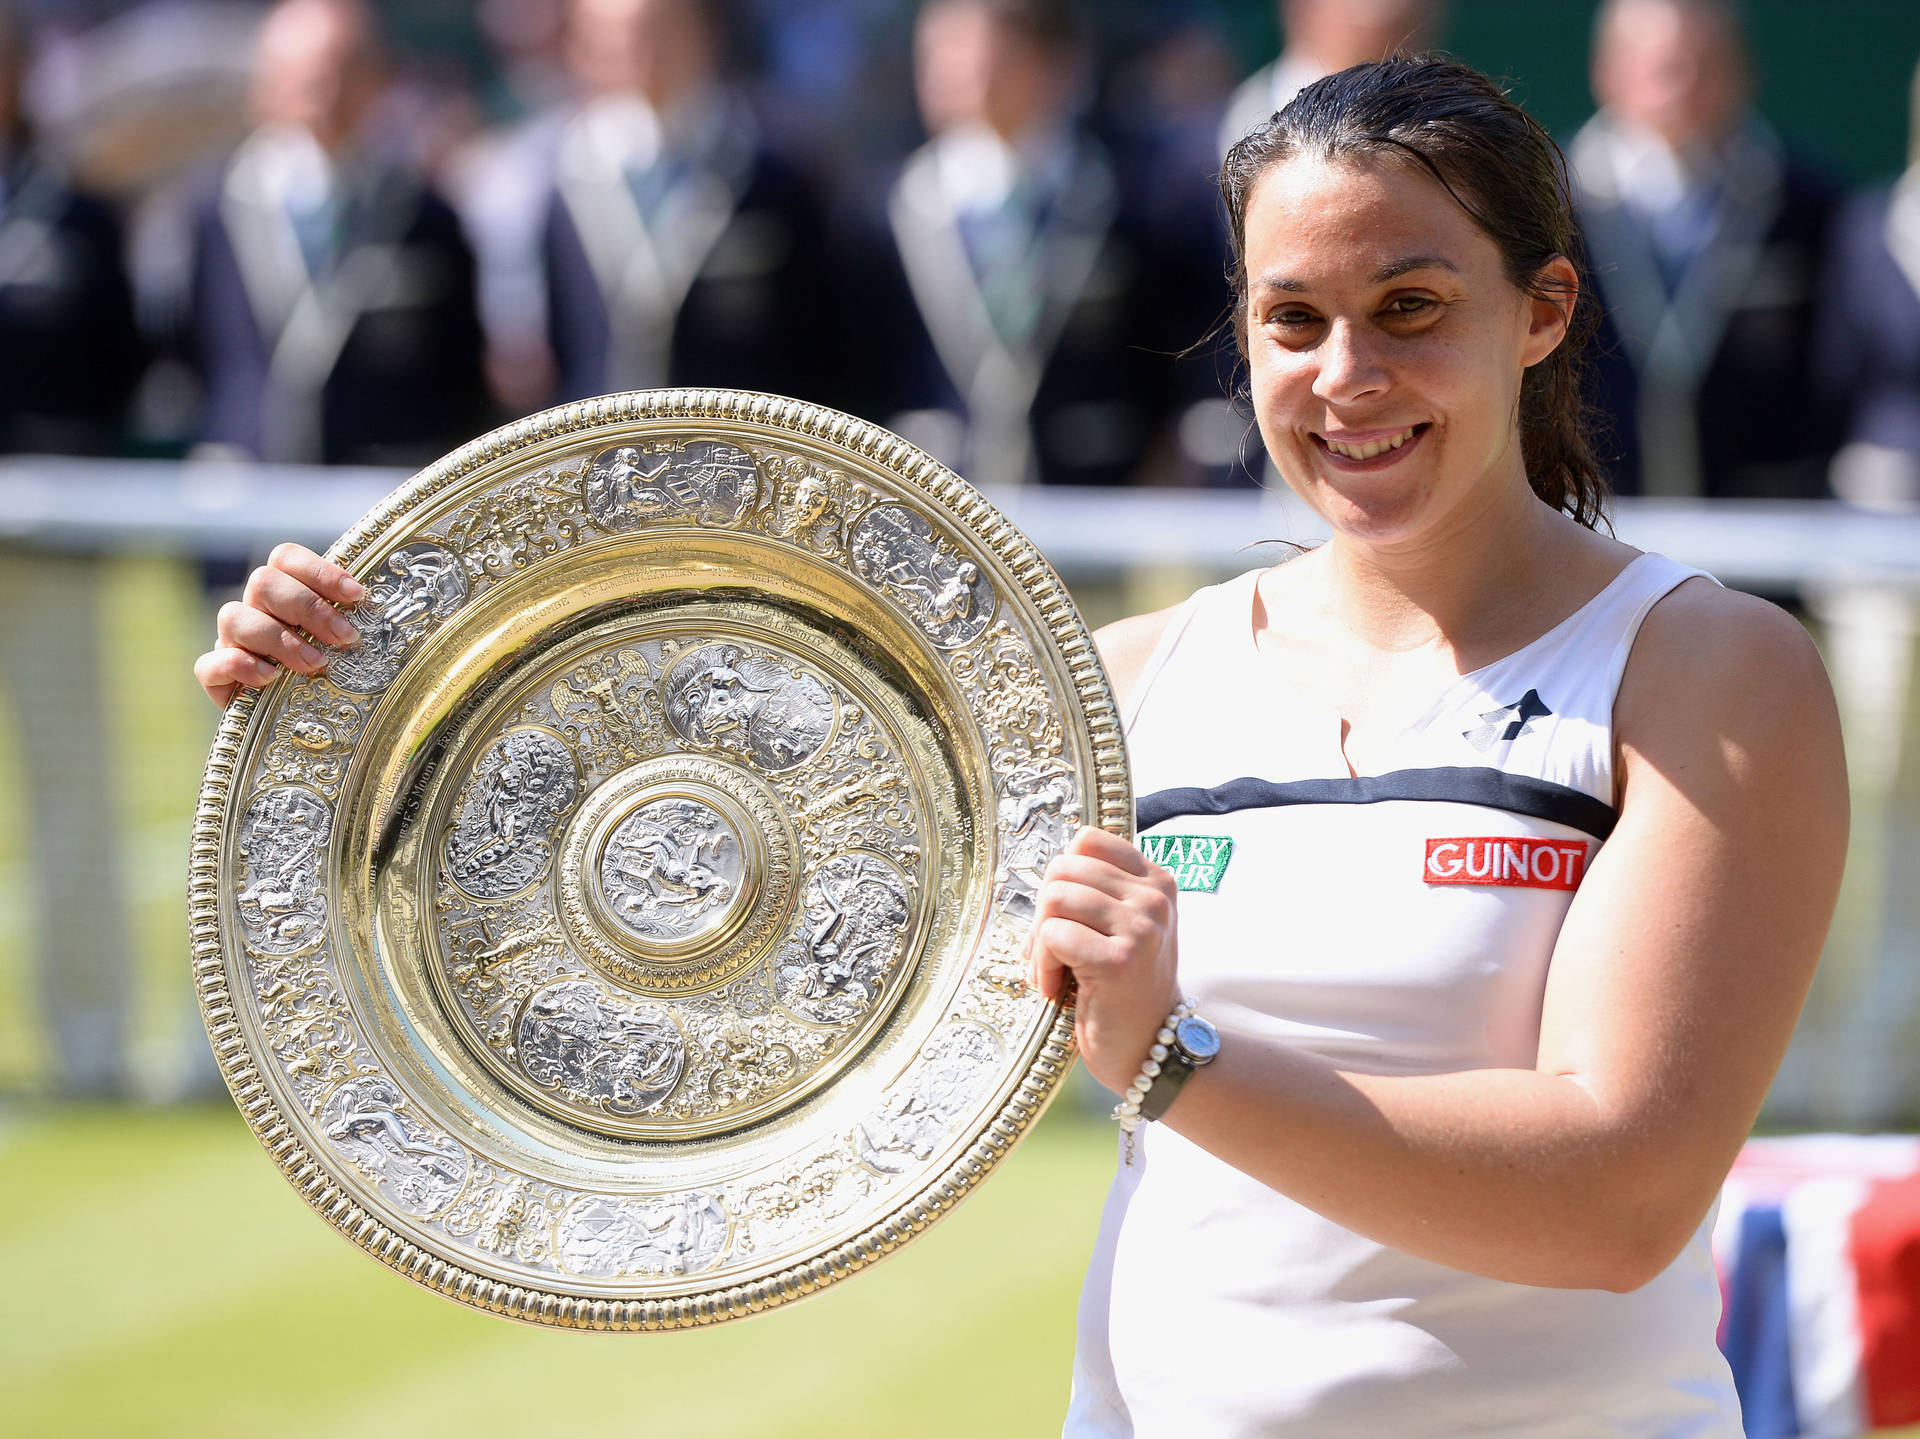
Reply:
x=1399, y=923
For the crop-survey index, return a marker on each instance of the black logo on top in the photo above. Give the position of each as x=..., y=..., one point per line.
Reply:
x=1507, y=723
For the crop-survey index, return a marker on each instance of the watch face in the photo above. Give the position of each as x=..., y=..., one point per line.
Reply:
x=1200, y=1040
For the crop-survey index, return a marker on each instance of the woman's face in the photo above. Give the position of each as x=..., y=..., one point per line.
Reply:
x=1386, y=346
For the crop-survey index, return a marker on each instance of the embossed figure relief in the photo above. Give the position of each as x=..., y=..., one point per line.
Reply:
x=417, y=1168
x=597, y=1049
x=600, y=1237
x=506, y=1214
x=1038, y=813
x=605, y=706
x=671, y=869
x=856, y=912
x=771, y=711
x=708, y=481
x=420, y=584
x=810, y=503
x=502, y=834
x=954, y=1071
x=895, y=550
x=523, y=521
x=283, y=839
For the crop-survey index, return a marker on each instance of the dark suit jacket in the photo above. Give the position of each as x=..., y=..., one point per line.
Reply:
x=1757, y=428
x=756, y=316
x=1868, y=350
x=69, y=354
x=406, y=384
x=1106, y=384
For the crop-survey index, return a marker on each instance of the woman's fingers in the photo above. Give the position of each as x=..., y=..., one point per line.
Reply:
x=1118, y=852
x=321, y=576
x=244, y=627
x=288, y=599
x=224, y=670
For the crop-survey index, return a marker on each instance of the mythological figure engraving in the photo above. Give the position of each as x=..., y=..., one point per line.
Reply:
x=954, y=1070
x=710, y=481
x=1037, y=815
x=809, y=502
x=502, y=835
x=856, y=912
x=601, y=705
x=574, y=1037
x=671, y=869
x=601, y=1237
x=760, y=707
x=896, y=550
x=422, y=583
x=415, y=1167
x=506, y=1214
x=283, y=839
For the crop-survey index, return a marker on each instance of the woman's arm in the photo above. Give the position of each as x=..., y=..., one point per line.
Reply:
x=287, y=599
x=1674, y=986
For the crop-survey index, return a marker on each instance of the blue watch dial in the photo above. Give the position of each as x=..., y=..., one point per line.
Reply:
x=1199, y=1040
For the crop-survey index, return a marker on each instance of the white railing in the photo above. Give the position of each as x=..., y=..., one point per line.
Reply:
x=105, y=506
x=1856, y=1059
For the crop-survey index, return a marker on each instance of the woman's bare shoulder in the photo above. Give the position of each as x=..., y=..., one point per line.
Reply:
x=1126, y=645
x=1719, y=679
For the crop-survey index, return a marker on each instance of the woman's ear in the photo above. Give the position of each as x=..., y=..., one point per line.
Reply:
x=1556, y=288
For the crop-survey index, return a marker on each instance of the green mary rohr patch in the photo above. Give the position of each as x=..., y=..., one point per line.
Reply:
x=1196, y=861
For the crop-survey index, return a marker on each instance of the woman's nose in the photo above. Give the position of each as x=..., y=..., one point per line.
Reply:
x=1349, y=367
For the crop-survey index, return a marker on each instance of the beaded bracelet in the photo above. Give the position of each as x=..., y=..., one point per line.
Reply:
x=1127, y=1112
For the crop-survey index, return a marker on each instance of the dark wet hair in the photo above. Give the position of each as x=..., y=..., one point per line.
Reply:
x=1505, y=171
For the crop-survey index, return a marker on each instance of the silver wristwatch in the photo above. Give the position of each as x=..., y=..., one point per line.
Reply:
x=1195, y=1042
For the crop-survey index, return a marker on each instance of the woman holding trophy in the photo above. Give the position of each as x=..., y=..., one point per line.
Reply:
x=1496, y=856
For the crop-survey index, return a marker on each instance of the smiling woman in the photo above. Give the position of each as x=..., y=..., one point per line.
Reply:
x=1520, y=847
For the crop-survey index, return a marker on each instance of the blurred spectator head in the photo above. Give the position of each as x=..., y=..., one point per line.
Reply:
x=1674, y=68
x=1012, y=65
x=1330, y=35
x=659, y=50
x=317, y=64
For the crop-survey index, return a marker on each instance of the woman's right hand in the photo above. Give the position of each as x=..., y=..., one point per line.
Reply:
x=289, y=598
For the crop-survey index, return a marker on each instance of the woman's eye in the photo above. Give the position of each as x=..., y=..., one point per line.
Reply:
x=1291, y=319
x=1403, y=306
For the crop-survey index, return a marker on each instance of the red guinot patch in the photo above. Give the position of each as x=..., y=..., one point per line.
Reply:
x=1495, y=859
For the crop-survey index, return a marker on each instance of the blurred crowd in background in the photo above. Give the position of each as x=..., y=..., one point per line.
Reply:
x=339, y=232
x=330, y=231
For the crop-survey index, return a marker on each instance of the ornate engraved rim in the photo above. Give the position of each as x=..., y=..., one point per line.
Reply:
x=1111, y=806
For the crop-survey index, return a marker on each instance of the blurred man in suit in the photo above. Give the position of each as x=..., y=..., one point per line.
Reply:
x=68, y=362
x=679, y=249
x=1705, y=237
x=333, y=309
x=1321, y=37
x=1003, y=306
x=1868, y=349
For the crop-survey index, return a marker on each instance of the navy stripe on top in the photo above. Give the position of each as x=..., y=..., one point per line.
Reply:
x=1461, y=784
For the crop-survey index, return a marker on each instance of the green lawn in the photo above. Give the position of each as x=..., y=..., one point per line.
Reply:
x=164, y=1279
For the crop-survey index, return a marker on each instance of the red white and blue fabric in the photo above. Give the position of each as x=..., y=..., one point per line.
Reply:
x=1818, y=1248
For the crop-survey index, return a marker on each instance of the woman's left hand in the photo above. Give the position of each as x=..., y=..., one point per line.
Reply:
x=1106, y=914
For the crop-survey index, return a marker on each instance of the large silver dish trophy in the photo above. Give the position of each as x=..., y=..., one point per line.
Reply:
x=628, y=933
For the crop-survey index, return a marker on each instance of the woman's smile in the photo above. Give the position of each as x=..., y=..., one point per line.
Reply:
x=1359, y=451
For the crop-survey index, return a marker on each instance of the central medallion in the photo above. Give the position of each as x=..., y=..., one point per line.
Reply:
x=671, y=871
x=676, y=873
